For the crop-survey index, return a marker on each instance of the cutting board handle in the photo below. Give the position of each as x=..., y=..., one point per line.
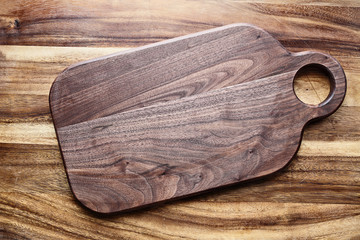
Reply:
x=337, y=83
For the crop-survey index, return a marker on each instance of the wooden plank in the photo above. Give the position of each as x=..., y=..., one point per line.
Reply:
x=32, y=169
x=134, y=23
x=202, y=220
x=27, y=133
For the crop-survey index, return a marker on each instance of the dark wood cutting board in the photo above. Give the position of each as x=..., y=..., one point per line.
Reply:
x=183, y=116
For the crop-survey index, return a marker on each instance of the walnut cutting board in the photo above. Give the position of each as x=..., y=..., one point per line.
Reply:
x=183, y=116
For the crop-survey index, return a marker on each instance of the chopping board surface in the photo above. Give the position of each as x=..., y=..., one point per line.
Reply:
x=183, y=116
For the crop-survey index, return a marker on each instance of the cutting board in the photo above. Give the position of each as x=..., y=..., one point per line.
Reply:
x=183, y=116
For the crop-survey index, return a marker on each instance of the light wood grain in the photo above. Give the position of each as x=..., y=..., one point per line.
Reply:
x=316, y=197
x=133, y=23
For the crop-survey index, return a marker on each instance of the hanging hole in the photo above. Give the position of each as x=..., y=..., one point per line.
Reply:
x=312, y=84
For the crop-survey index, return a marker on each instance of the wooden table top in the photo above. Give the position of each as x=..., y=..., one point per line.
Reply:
x=316, y=196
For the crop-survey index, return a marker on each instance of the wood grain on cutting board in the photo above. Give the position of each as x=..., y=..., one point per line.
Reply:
x=183, y=116
x=317, y=196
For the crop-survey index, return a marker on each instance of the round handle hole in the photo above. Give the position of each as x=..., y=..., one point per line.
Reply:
x=312, y=84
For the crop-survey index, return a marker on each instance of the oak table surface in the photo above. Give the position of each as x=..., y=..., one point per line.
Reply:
x=316, y=197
